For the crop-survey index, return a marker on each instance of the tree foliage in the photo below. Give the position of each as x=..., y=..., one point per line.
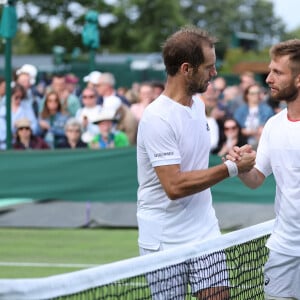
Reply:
x=142, y=26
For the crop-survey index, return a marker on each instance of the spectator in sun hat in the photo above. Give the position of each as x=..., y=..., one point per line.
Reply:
x=108, y=136
x=25, y=139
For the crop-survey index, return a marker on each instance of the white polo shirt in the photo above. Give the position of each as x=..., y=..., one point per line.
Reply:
x=170, y=133
x=279, y=152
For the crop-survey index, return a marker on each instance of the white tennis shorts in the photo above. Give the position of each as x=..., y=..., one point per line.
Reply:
x=200, y=273
x=282, y=276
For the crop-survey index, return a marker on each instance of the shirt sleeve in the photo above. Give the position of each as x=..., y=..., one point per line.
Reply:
x=263, y=163
x=160, y=141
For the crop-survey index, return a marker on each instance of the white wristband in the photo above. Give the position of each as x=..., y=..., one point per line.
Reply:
x=232, y=168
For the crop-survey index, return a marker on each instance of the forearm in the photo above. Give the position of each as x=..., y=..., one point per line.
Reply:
x=188, y=183
x=253, y=179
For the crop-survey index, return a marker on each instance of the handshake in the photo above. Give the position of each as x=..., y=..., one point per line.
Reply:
x=240, y=160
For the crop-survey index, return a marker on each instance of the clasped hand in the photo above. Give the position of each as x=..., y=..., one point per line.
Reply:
x=244, y=157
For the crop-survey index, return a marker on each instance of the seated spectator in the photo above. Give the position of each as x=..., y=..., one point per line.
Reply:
x=70, y=102
x=72, y=84
x=19, y=110
x=253, y=114
x=52, y=120
x=145, y=97
x=89, y=111
x=26, y=76
x=127, y=123
x=73, y=135
x=108, y=136
x=106, y=89
x=232, y=136
x=25, y=139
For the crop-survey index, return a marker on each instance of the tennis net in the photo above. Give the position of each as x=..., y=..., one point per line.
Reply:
x=231, y=267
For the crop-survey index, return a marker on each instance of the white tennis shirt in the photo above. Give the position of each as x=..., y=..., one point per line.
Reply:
x=170, y=133
x=279, y=152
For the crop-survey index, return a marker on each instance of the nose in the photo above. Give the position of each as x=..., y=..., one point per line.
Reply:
x=269, y=78
x=213, y=72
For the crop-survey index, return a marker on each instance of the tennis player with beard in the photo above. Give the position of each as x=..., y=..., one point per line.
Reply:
x=173, y=148
x=278, y=152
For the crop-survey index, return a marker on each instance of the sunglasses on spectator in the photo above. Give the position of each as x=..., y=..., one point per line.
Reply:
x=254, y=93
x=18, y=98
x=230, y=128
x=24, y=128
x=88, y=96
x=73, y=130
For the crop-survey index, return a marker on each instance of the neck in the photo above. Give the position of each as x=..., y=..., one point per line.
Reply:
x=293, y=111
x=25, y=141
x=73, y=144
x=177, y=94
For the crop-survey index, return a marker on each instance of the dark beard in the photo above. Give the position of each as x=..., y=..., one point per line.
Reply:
x=194, y=88
x=289, y=94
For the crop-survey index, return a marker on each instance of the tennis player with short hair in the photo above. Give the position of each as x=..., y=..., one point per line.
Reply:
x=278, y=152
x=173, y=148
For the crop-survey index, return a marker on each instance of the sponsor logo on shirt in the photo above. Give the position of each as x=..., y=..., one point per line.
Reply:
x=163, y=154
x=267, y=280
x=207, y=127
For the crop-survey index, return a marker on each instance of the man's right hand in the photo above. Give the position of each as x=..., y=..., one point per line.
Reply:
x=244, y=157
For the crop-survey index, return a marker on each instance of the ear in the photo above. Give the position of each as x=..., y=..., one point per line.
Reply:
x=298, y=80
x=185, y=68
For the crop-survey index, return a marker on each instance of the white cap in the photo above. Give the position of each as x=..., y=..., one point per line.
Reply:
x=28, y=69
x=93, y=77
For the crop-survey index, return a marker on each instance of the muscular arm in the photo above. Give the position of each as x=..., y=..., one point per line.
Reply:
x=253, y=179
x=178, y=184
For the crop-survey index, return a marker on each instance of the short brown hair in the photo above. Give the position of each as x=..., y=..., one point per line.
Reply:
x=186, y=45
x=290, y=48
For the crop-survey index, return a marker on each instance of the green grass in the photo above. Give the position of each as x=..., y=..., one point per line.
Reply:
x=101, y=246
x=64, y=246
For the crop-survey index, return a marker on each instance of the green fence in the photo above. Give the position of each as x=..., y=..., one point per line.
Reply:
x=96, y=175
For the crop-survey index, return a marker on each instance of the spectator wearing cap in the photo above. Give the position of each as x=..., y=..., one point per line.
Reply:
x=108, y=136
x=91, y=80
x=73, y=133
x=26, y=76
x=72, y=84
x=25, y=139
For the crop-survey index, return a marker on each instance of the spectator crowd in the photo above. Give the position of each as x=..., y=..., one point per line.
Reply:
x=59, y=113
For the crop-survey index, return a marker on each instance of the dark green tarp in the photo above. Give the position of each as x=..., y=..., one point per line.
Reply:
x=96, y=175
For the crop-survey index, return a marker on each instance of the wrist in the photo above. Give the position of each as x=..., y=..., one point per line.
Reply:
x=232, y=168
